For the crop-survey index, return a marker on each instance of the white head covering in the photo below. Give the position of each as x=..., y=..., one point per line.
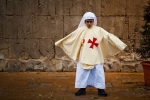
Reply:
x=88, y=15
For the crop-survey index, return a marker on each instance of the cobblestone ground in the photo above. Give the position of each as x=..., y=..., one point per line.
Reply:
x=60, y=86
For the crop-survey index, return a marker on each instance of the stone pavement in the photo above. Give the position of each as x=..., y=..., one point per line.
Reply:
x=60, y=86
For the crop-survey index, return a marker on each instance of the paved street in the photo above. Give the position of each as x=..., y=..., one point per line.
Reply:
x=60, y=86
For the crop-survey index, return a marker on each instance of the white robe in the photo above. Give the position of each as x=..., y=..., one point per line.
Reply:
x=98, y=44
x=94, y=77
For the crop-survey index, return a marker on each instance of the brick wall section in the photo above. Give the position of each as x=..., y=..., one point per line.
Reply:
x=29, y=28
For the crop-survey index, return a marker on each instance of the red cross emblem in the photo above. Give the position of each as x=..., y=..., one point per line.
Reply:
x=93, y=43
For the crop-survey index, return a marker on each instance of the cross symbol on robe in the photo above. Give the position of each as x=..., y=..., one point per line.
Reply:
x=93, y=43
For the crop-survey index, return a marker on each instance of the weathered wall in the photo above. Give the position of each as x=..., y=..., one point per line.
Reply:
x=29, y=28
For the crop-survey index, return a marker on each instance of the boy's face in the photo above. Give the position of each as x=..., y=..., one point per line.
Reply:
x=89, y=22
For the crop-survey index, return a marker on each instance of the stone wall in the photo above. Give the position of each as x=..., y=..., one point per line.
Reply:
x=29, y=28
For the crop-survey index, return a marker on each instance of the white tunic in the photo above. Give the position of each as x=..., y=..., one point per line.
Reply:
x=93, y=77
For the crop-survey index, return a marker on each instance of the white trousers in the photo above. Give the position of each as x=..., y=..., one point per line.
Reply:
x=94, y=77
